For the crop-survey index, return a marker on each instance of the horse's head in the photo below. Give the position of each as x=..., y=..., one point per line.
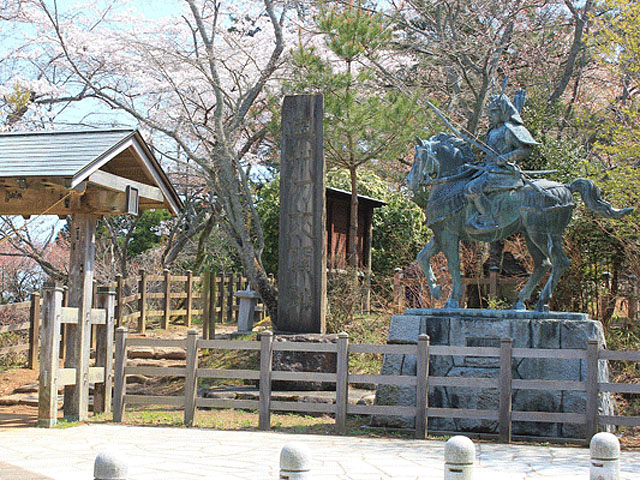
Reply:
x=440, y=156
x=425, y=165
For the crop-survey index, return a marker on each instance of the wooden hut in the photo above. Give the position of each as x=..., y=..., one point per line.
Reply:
x=338, y=224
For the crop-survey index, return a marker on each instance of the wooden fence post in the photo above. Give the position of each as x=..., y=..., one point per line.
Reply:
x=191, y=377
x=493, y=282
x=167, y=299
x=633, y=298
x=49, y=355
x=142, y=301
x=422, y=385
x=236, y=300
x=119, y=297
x=230, y=297
x=219, y=297
x=206, y=303
x=106, y=299
x=119, y=380
x=504, y=416
x=266, y=362
x=342, y=382
x=398, y=291
x=213, y=289
x=592, y=389
x=34, y=330
x=189, y=287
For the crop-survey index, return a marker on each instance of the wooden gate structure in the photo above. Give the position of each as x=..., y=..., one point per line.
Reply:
x=84, y=174
x=51, y=376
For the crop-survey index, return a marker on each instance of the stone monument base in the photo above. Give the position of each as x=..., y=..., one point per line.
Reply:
x=485, y=328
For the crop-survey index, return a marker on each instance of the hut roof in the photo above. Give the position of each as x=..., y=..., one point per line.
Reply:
x=106, y=159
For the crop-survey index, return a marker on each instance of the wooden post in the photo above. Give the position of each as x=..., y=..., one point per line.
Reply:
x=94, y=301
x=236, y=284
x=119, y=380
x=493, y=282
x=189, y=287
x=63, y=327
x=422, y=385
x=106, y=299
x=633, y=298
x=367, y=263
x=266, y=362
x=167, y=299
x=592, y=389
x=49, y=356
x=206, y=303
x=398, y=291
x=34, y=330
x=342, y=382
x=230, y=292
x=119, y=297
x=142, y=302
x=78, y=336
x=191, y=378
x=504, y=415
x=211, y=331
x=219, y=297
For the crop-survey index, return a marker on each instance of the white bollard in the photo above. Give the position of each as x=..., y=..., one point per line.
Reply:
x=459, y=456
x=109, y=465
x=605, y=457
x=295, y=462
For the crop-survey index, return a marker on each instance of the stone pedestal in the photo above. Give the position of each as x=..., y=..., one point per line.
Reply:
x=485, y=328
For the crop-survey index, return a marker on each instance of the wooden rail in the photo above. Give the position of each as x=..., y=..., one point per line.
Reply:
x=32, y=327
x=178, y=298
x=505, y=384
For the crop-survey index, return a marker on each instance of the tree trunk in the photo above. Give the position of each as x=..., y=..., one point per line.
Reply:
x=581, y=19
x=352, y=254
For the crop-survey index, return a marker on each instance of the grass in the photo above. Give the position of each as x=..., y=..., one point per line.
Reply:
x=247, y=420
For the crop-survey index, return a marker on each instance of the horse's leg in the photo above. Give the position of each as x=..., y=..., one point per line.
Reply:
x=449, y=245
x=559, y=264
x=541, y=266
x=424, y=259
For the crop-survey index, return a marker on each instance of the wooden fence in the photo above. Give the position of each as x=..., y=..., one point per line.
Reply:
x=31, y=327
x=504, y=384
x=170, y=298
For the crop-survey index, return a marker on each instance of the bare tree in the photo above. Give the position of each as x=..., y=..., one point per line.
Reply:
x=198, y=83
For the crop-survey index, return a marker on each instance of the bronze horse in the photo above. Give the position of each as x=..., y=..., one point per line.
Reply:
x=540, y=210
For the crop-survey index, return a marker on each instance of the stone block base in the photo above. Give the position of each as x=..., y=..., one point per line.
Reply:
x=485, y=328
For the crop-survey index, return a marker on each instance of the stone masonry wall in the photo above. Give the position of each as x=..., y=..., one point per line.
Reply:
x=484, y=328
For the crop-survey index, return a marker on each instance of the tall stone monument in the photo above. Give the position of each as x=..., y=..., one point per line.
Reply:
x=302, y=277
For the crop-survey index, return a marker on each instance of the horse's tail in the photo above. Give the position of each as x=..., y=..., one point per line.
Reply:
x=594, y=201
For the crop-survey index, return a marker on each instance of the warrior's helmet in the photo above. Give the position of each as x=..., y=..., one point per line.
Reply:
x=505, y=109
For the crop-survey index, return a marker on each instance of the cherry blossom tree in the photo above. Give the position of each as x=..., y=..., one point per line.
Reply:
x=197, y=81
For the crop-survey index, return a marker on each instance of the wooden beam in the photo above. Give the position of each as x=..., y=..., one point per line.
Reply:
x=78, y=336
x=119, y=184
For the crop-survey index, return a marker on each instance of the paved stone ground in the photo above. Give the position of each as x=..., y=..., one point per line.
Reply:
x=161, y=453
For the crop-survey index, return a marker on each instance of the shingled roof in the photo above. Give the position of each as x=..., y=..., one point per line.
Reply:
x=74, y=157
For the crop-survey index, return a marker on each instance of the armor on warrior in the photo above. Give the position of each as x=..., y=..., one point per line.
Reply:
x=510, y=142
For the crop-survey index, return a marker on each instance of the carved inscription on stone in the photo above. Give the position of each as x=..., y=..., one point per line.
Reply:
x=302, y=256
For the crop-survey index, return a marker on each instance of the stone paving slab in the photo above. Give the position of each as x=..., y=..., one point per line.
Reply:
x=10, y=472
x=161, y=453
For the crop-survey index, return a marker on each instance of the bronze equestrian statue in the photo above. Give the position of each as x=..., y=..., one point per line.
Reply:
x=493, y=199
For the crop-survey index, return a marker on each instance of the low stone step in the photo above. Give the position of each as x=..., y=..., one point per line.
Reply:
x=159, y=353
x=359, y=397
x=152, y=362
x=24, y=399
